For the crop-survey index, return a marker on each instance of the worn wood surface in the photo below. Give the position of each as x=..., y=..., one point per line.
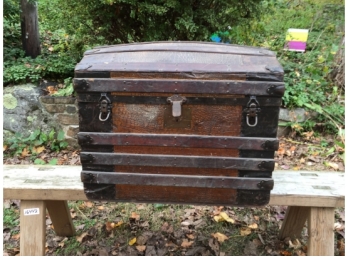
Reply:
x=293, y=223
x=61, y=218
x=293, y=188
x=321, y=231
x=189, y=58
x=32, y=218
x=178, y=141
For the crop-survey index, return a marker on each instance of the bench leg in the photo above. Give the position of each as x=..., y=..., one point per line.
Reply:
x=294, y=220
x=32, y=228
x=321, y=231
x=60, y=217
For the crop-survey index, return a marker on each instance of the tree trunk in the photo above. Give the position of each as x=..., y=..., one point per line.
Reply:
x=30, y=28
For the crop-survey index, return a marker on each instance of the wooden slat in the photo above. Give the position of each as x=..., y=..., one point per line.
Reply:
x=184, y=181
x=204, y=162
x=176, y=140
x=222, y=87
x=293, y=188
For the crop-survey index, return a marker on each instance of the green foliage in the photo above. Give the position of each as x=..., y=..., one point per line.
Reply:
x=10, y=218
x=67, y=90
x=17, y=145
x=98, y=22
x=306, y=74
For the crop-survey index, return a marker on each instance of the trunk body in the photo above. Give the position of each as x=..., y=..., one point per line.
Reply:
x=179, y=122
x=30, y=29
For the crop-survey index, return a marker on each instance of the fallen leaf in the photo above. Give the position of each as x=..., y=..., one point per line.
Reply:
x=190, y=236
x=338, y=226
x=81, y=237
x=5, y=148
x=25, y=152
x=89, y=204
x=135, y=216
x=118, y=223
x=285, y=253
x=132, y=241
x=245, y=231
x=109, y=226
x=281, y=151
x=141, y=248
x=295, y=245
x=292, y=148
x=253, y=226
x=220, y=237
x=185, y=243
x=16, y=237
x=38, y=149
x=226, y=218
x=333, y=165
x=302, y=160
x=100, y=208
x=185, y=223
x=218, y=218
x=51, y=90
x=61, y=244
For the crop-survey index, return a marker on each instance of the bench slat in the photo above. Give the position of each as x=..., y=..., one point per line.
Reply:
x=293, y=188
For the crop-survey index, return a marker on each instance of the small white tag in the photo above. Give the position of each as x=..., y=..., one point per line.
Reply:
x=32, y=211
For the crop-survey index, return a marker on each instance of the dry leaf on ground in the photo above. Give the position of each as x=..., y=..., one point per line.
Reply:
x=135, y=216
x=132, y=241
x=245, y=231
x=253, y=226
x=16, y=237
x=185, y=243
x=141, y=248
x=81, y=237
x=220, y=237
x=223, y=217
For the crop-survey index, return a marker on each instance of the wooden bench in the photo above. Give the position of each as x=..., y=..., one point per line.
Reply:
x=311, y=196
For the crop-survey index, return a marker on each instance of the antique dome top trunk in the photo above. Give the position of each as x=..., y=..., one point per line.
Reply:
x=179, y=122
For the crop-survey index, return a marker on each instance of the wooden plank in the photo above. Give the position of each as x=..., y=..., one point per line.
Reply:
x=33, y=220
x=60, y=216
x=321, y=231
x=162, y=160
x=177, y=140
x=318, y=189
x=294, y=221
x=183, y=86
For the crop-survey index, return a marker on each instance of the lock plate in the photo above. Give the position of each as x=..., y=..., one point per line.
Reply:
x=184, y=121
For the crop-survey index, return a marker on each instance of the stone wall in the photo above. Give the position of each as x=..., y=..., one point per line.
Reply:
x=25, y=110
x=64, y=111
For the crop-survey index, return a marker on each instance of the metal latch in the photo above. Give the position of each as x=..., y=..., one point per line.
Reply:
x=251, y=111
x=176, y=101
x=104, y=106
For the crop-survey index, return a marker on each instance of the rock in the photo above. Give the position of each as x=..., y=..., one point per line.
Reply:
x=23, y=112
x=295, y=115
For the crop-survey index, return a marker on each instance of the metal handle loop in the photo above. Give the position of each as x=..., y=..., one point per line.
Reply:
x=100, y=116
x=247, y=121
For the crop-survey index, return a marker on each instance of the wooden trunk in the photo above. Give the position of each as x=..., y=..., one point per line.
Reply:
x=179, y=122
